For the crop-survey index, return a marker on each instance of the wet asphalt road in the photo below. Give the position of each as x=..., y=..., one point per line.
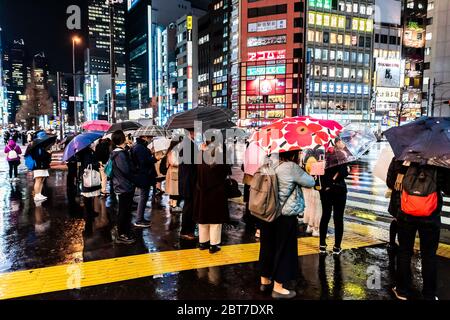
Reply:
x=55, y=233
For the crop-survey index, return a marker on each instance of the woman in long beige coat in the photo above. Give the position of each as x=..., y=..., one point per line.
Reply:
x=173, y=162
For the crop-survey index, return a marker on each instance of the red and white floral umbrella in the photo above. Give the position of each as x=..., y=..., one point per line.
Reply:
x=296, y=134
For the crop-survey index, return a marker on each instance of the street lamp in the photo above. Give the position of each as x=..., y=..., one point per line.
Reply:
x=75, y=40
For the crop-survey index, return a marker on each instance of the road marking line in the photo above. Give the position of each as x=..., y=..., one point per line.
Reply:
x=85, y=274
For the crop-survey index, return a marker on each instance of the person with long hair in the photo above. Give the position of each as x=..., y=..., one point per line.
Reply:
x=278, y=256
x=334, y=198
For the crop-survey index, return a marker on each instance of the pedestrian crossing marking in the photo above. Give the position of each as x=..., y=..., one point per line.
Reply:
x=85, y=274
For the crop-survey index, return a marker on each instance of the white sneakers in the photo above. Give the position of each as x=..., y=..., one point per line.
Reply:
x=40, y=197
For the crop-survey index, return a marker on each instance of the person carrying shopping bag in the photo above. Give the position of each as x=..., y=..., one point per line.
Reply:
x=13, y=153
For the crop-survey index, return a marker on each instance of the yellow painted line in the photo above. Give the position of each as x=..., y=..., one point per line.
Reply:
x=85, y=274
x=71, y=276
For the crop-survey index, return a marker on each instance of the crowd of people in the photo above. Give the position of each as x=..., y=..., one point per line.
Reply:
x=198, y=191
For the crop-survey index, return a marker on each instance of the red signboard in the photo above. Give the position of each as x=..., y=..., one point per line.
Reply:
x=264, y=87
x=266, y=55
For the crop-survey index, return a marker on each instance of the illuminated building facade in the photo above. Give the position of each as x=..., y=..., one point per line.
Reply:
x=271, y=60
x=414, y=20
x=340, y=58
x=388, y=63
x=146, y=22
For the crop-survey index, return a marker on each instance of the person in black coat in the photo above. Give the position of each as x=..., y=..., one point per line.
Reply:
x=42, y=160
x=394, y=180
x=124, y=186
x=144, y=163
x=88, y=161
x=333, y=196
x=187, y=183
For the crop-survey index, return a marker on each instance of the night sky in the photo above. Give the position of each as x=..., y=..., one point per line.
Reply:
x=42, y=24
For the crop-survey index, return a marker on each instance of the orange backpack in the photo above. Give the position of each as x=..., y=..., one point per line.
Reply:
x=420, y=195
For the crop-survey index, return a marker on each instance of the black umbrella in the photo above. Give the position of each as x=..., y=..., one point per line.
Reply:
x=210, y=117
x=124, y=126
x=426, y=140
x=43, y=143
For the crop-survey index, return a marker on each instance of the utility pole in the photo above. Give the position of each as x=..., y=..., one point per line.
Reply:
x=433, y=95
x=61, y=116
x=112, y=65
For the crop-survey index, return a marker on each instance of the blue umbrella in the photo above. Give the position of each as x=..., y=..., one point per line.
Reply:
x=80, y=143
x=425, y=141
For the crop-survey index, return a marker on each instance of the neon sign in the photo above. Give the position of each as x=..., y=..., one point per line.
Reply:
x=266, y=55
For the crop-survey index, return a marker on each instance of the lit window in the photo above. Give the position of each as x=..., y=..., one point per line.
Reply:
x=362, y=9
x=355, y=24
x=333, y=38
x=333, y=21
x=349, y=7
x=318, y=53
x=369, y=10
x=319, y=19
x=348, y=40
x=346, y=73
x=332, y=72
x=310, y=36
x=324, y=71
x=369, y=25
x=429, y=36
x=311, y=17
x=324, y=54
x=340, y=39
x=326, y=20
x=341, y=22
x=355, y=8
x=332, y=55
x=318, y=36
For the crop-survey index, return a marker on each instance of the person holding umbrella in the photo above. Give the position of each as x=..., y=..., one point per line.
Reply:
x=144, y=163
x=124, y=187
x=38, y=151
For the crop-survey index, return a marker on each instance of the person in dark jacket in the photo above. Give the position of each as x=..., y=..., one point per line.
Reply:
x=13, y=153
x=102, y=153
x=429, y=228
x=187, y=182
x=42, y=159
x=146, y=177
x=394, y=179
x=88, y=160
x=123, y=186
x=333, y=196
x=211, y=204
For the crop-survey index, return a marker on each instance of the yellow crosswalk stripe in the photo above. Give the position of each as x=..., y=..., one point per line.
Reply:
x=85, y=274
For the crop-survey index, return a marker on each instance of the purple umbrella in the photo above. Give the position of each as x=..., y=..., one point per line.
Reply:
x=80, y=143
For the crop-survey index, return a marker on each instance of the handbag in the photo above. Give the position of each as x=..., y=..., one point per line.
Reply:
x=232, y=189
x=91, y=177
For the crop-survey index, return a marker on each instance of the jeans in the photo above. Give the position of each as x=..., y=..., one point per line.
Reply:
x=429, y=233
x=144, y=194
x=332, y=203
x=124, y=217
x=13, y=167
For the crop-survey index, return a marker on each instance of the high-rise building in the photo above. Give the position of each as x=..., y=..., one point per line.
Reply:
x=146, y=22
x=414, y=21
x=97, y=84
x=214, y=45
x=271, y=37
x=340, y=58
x=169, y=100
x=388, y=63
x=17, y=70
x=437, y=57
x=187, y=62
